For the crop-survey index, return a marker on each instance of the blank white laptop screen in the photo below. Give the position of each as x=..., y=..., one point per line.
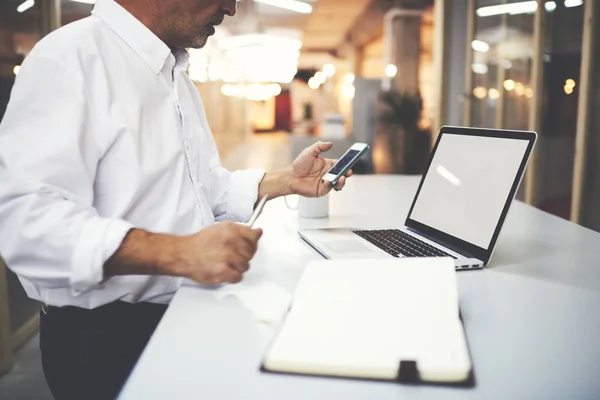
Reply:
x=467, y=186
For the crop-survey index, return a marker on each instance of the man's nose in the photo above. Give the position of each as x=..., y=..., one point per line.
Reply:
x=229, y=6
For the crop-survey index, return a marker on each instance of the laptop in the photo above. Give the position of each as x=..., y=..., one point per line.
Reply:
x=470, y=181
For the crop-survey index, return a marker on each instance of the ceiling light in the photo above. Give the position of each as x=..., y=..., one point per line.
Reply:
x=524, y=7
x=292, y=5
x=257, y=92
x=259, y=40
x=570, y=82
x=519, y=89
x=349, y=78
x=480, y=92
x=26, y=5
x=320, y=77
x=479, y=68
x=528, y=92
x=479, y=45
x=257, y=58
x=568, y=89
x=16, y=69
x=233, y=90
x=494, y=94
x=573, y=3
x=349, y=91
x=329, y=70
x=509, y=85
x=313, y=84
x=391, y=70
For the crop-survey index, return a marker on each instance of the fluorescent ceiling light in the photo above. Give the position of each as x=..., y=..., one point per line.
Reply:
x=391, y=70
x=26, y=5
x=479, y=68
x=573, y=3
x=292, y=5
x=480, y=46
x=523, y=7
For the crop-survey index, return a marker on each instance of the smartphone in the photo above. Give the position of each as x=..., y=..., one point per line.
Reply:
x=346, y=162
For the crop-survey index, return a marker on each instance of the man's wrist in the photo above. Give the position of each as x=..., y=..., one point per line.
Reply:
x=146, y=253
x=277, y=183
x=171, y=255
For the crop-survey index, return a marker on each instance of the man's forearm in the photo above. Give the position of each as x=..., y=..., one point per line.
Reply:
x=145, y=253
x=276, y=184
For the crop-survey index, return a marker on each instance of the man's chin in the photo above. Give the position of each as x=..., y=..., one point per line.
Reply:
x=199, y=41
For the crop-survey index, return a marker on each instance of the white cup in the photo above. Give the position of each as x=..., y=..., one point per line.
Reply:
x=309, y=207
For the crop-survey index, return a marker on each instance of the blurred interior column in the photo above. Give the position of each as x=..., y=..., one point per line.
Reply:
x=406, y=49
x=51, y=16
x=586, y=175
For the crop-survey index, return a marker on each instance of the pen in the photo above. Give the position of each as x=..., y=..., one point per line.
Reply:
x=257, y=211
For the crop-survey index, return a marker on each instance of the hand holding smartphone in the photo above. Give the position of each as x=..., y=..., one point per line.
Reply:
x=345, y=163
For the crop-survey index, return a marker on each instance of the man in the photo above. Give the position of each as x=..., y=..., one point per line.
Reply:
x=110, y=186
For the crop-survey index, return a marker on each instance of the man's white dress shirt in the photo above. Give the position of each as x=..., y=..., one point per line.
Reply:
x=104, y=132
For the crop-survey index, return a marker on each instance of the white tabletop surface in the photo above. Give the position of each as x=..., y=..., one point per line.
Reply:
x=532, y=317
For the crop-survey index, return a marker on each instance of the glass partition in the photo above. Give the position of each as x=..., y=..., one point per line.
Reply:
x=502, y=51
x=562, y=65
x=502, y=86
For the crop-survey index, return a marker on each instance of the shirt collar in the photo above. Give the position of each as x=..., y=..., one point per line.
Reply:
x=137, y=36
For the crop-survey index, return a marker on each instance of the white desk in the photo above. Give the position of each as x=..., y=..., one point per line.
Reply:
x=532, y=317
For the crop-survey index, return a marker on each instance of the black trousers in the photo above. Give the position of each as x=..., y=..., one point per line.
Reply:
x=88, y=354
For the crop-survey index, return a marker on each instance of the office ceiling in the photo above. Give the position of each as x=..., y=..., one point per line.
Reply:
x=328, y=25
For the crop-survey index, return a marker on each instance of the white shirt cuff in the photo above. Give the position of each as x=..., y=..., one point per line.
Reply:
x=99, y=239
x=242, y=193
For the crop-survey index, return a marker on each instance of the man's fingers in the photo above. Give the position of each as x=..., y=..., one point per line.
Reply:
x=320, y=147
x=250, y=233
x=232, y=276
x=251, y=236
x=237, y=262
x=247, y=251
x=249, y=241
x=349, y=173
x=324, y=188
x=341, y=183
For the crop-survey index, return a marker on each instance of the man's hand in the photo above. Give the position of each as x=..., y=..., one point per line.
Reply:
x=219, y=254
x=308, y=170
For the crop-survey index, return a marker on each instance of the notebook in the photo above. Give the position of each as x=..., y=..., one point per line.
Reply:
x=375, y=319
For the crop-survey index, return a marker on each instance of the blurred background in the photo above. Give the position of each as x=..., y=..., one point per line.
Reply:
x=283, y=74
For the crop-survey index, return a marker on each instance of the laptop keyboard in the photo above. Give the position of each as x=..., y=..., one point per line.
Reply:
x=396, y=243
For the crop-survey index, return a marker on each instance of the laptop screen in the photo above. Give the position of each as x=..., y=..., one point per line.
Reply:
x=468, y=184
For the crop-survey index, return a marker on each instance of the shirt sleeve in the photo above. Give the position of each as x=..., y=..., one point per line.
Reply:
x=50, y=232
x=234, y=194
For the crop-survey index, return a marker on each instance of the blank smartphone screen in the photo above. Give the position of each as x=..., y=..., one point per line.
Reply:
x=345, y=160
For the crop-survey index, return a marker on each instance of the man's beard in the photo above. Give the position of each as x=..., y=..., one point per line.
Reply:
x=201, y=39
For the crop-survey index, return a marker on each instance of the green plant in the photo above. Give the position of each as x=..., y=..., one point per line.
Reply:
x=408, y=144
x=308, y=111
